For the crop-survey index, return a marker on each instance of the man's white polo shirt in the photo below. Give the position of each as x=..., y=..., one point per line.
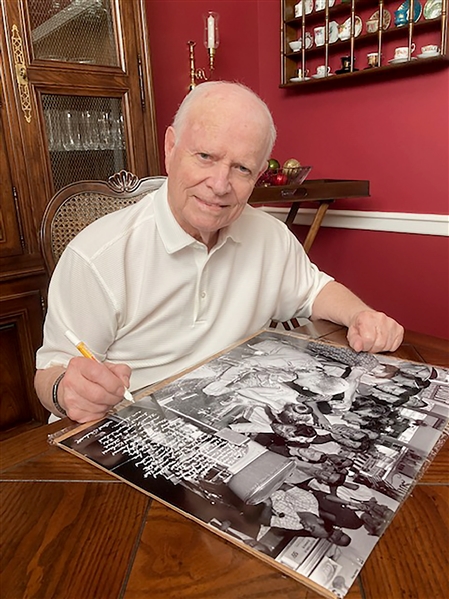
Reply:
x=137, y=289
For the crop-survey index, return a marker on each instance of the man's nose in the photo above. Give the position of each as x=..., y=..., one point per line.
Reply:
x=220, y=179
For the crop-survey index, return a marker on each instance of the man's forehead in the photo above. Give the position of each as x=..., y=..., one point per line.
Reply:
x=213, y=136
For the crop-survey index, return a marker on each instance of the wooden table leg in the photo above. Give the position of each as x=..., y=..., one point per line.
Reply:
x=316, y=223
x=292, y=214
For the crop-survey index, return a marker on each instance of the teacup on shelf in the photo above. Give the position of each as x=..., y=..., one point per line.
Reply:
x=372, y=25
x=430, y=50
x=323, y=70
x=401, y=53
x=300, y=74
x=373, y=59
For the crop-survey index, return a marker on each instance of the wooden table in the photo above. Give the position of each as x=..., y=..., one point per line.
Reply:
x=72, y=531
x=320, y=192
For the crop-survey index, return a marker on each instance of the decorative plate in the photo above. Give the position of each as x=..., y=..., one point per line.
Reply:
x=433, y=9
x=321, y=4
x=333, y=32
x=372, y=25
x=345, y=28
x=298, y=8
x=404, y=10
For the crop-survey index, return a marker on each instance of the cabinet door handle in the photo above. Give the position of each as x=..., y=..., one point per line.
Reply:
x=21, y=73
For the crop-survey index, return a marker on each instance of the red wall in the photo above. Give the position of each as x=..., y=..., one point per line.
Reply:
x=394, y=133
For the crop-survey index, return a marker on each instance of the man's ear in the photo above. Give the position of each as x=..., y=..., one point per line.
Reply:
x=169, y=144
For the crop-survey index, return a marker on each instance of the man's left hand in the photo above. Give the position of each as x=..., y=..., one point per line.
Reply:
x=373, y=332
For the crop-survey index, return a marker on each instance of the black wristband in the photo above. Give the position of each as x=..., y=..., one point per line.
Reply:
x=54, y=395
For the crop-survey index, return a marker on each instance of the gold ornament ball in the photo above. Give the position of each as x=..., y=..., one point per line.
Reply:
x=291, y=168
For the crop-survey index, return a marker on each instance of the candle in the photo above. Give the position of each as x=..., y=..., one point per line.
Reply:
x=210, y=31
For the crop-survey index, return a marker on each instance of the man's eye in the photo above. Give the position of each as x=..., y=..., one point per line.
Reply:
x=244, y=170
x=204, y=156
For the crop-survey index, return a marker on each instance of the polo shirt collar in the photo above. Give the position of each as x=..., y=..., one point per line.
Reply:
x=173, y=235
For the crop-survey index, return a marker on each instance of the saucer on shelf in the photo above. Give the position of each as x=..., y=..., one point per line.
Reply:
x=316, y=76
x=429, y=55
x=296, y=79
x=400, y=60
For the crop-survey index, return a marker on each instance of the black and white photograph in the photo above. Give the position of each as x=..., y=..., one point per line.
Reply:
x=299, y=451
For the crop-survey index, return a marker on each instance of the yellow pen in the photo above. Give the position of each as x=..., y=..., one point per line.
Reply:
x=85, y=351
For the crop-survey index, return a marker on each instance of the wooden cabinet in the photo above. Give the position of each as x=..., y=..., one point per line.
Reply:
x=344, y=43
x=76, y=102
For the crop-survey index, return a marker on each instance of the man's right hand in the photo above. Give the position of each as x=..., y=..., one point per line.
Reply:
x=88, y=389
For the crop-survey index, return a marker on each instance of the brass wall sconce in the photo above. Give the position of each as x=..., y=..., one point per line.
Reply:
x=211, y=41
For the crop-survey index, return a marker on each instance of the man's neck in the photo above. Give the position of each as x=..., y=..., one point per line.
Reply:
x=209, y=239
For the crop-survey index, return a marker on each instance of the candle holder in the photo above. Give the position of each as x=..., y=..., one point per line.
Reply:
x=211, y=41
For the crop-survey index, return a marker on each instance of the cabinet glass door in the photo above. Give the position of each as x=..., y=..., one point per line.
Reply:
x=80, y=31
x=85, y=137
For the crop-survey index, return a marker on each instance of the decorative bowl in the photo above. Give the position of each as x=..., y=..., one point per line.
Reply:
x=295, y=46
x=283, y=176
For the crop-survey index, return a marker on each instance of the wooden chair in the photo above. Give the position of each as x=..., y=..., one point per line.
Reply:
x=77, y=205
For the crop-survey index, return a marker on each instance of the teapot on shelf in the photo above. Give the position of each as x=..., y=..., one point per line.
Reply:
x=346, y=65
x=401, y=16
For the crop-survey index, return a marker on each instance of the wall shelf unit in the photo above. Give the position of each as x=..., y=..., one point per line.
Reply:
x=343, y=40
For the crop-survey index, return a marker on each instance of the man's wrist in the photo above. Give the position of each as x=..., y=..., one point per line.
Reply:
x=54, y=395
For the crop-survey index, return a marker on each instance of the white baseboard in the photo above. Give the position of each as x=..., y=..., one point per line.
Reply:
x=397, y=222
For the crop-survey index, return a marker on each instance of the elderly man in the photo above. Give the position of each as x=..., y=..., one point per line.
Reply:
x=188, y=270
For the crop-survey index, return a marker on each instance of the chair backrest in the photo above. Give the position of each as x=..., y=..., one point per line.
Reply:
x=77, y=205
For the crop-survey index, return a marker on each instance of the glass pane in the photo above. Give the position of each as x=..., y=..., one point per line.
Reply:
x=79, y=31
x=86, y=137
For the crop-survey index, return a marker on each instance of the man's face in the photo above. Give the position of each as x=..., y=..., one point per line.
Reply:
x=214, y=163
